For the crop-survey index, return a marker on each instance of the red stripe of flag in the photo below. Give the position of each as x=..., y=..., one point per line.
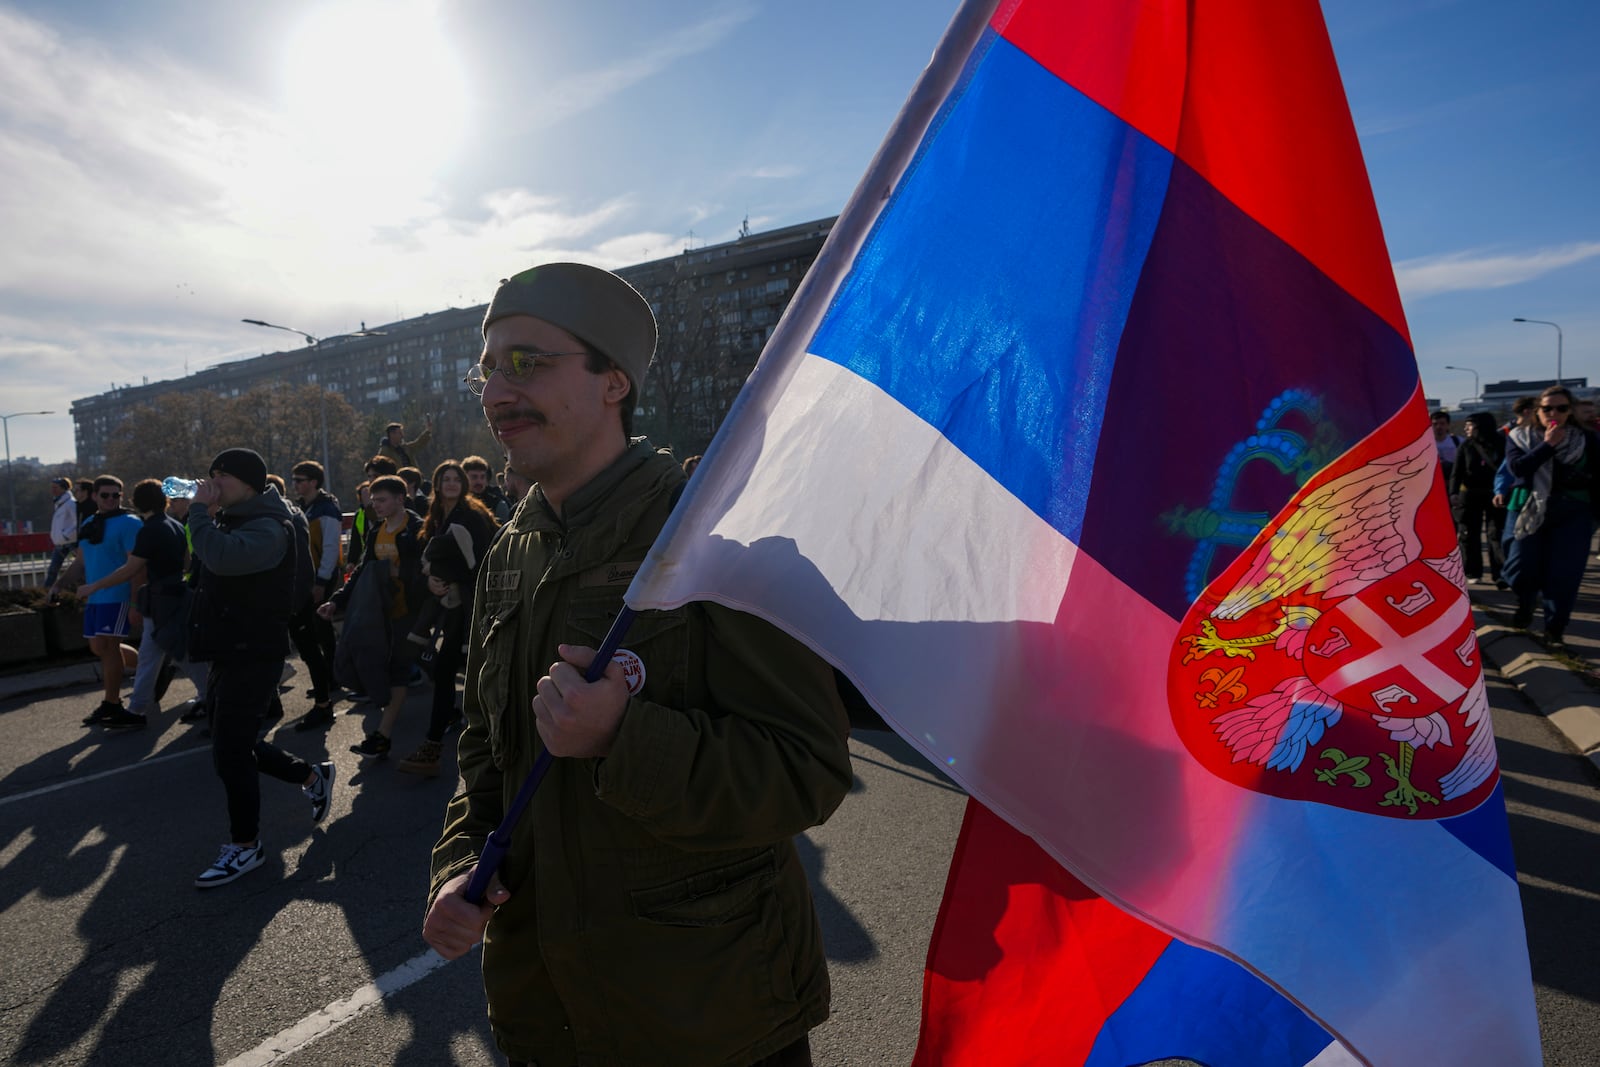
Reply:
x=1247, y=94
x=1057, y=962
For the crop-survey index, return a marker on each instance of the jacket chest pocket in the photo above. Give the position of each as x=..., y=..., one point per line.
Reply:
x=659, y=643
x=499, y=642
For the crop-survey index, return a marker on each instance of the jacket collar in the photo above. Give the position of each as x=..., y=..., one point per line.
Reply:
x=593, y=497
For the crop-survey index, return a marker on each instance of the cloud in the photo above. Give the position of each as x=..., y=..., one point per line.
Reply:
x=581, y=92
x=148, y=207
x=1479, y=269
x=777, y=170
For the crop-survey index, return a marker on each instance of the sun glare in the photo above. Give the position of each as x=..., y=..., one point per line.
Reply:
x=373, y=90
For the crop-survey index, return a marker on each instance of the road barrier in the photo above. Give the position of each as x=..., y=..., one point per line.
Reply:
x=24, y=560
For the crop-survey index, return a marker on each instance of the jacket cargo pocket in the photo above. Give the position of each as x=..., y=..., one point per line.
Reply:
x=708, y=898
x=704, y=962
x=494, y=679
x=659, y=638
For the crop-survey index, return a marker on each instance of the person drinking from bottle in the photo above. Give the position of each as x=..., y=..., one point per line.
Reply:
x=651, y=907
x=247, y=561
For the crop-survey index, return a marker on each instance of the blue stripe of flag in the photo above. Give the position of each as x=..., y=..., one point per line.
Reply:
x=991, y=296
x=1204, y=1007
x=1486, y=830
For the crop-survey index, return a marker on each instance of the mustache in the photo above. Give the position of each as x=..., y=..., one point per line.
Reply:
x=533, y=415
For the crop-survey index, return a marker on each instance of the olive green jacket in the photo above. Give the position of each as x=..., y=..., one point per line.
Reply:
x=659, y=913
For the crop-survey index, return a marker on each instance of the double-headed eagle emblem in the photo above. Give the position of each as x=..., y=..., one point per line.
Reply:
x=1344, y=632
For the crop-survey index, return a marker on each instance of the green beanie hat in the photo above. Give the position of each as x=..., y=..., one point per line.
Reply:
x=594, y=305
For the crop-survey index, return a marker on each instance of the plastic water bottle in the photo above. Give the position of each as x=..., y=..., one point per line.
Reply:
x=175, y=486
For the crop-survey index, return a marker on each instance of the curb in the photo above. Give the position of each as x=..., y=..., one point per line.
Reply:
x=1572, y=706
x=16, y=685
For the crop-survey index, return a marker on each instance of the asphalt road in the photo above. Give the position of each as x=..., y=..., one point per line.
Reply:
x=112, y=957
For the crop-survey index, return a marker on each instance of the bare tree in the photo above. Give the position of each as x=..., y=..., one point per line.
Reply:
x=174, y=434
x=180, y=433
x=685, y=393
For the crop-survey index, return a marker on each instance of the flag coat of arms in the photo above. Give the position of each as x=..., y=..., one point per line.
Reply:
x=1094, y=451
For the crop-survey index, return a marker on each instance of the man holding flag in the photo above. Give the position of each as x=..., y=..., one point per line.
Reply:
x=651, y=907
x=1220, y=706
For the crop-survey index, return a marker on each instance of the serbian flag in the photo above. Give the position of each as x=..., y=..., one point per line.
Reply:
x=1094, y=451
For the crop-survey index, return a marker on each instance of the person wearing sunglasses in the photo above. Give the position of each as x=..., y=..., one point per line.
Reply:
x=104, y=541
x=1556, y=465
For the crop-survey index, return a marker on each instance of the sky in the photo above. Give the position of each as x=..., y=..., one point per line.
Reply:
x=169, y=168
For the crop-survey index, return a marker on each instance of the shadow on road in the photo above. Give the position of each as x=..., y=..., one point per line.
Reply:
x=1554, y=821
x=149, y=969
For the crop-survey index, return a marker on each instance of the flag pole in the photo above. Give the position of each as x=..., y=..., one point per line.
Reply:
x=499, y=842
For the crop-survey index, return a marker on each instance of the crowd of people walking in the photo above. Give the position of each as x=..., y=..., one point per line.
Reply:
x=1528, y=495
x=222, y=579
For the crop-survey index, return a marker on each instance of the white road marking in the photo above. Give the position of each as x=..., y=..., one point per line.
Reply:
x=286, y=1043
x=102, y=774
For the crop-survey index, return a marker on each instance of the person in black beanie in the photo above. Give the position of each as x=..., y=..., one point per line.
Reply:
x=246, y=560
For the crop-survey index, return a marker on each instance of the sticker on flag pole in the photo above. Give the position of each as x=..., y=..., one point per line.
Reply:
x=632, y=669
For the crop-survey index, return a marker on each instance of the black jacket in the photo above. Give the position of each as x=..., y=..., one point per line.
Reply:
x=408, y=569
x=246, y=562
x=1476, y=461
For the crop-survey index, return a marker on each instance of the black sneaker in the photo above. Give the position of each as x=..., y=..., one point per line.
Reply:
x=319, y=715
x=376, y=744
x=103, y=713
x=194, y=712
x=123, y=719
x=1555, y=636
x=320, y=792
x=234, y=861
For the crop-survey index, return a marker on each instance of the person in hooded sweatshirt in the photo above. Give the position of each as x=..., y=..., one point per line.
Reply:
x=246, y=559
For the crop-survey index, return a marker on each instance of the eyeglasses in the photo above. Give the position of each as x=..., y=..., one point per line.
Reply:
x=519, y=368
x=109, y=496
x=1558, y=408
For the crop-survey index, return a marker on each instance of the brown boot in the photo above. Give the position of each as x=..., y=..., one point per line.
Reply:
x=424, y=761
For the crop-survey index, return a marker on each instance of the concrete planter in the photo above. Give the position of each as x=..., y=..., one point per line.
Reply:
x=21, y=637
x=63, y=630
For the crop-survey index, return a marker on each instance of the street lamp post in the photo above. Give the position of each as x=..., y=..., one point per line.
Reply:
x=1477, y=393
x=11, y=484
x=1546, y=322
x=322, y=394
